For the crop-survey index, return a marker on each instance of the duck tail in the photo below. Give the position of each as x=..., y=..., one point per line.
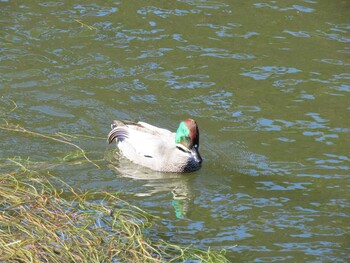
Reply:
x=118, y=132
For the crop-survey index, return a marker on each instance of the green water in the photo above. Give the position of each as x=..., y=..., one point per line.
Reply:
x=267, y=81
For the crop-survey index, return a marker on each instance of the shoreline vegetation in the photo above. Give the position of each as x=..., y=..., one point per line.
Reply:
x=43, y=219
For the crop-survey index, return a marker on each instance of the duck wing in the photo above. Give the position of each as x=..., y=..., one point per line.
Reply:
x=142, y=138
x=155, y=130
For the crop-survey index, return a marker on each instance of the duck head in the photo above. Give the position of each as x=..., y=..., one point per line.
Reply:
x=187, y=139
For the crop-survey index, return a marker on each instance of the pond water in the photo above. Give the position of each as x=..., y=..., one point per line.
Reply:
x=268, y=82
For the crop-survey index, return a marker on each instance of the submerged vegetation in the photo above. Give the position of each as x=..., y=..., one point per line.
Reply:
x=42, y=219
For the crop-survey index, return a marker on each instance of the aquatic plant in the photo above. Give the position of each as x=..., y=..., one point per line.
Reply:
x=45, y=220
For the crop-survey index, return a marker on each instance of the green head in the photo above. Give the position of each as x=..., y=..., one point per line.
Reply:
x=187, y=134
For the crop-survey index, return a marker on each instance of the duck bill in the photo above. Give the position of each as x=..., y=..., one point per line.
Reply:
x=197, y=156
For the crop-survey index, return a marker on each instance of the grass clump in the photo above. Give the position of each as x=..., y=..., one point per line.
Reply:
x=39, y=223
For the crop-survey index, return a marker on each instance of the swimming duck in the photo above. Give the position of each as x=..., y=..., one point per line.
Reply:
x=158, y=148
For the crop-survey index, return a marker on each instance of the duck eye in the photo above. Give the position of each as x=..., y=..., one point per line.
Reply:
x=196, y=146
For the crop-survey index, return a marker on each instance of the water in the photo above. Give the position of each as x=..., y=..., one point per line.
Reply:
x=267, y=81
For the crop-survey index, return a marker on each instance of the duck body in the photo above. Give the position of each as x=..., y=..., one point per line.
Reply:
x=157, y=148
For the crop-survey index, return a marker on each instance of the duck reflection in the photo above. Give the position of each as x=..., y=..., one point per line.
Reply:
x=156, y=182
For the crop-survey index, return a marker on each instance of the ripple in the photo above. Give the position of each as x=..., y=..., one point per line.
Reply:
x=165, y=13
x=331, y=164
x=179, y=38
x=227, y=30
x=144, y=98
x=299, y=8
x=50, y=4
x=341, y=76
x=284, y=139
x=304, y=95
x=273, y=259
x=267, y=125
x=301, y=34
x=334, y=36
x=227, y=55
x=288, y=186
x=52, y=111
x=27, y=73
x=195, y=48
x=265, y=72
x=321, y=136
x=128, y=35
x=179, y=82
x=215, y=52
x=94, y=10
x=324, y=251
x=303, y=9
x=283, y=83
x=25, y=84
x=152, y=53
x=316, y=117
x=206, y=4
x=334, y=62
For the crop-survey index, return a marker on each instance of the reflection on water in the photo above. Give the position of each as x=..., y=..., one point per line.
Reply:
x=155, y=182
x=267, y=82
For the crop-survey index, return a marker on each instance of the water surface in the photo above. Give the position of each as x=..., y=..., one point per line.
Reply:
x=267, y=81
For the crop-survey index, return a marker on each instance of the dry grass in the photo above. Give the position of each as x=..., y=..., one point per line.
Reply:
x=38, y=224
x=59, y=137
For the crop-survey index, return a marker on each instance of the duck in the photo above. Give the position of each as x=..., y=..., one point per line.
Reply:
x=157, y=148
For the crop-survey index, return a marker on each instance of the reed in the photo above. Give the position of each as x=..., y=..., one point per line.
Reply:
x=59, y=138
x=43, y=222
